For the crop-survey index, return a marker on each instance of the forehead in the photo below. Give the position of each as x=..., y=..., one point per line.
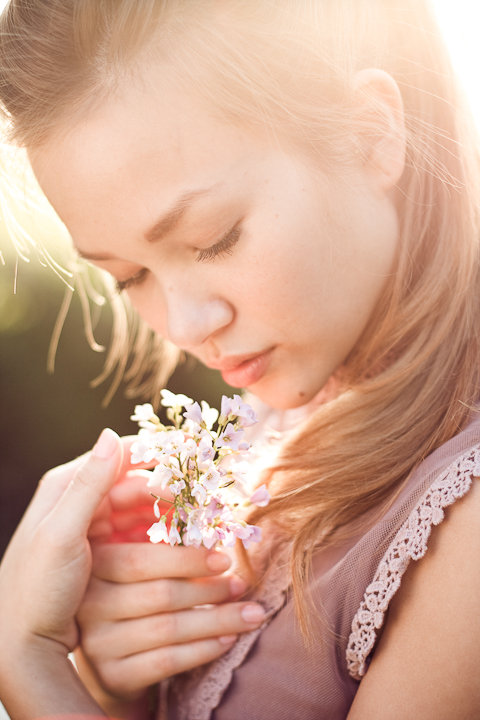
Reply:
x=138, y=149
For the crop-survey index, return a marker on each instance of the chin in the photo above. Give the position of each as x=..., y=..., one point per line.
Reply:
x=278, y=400
x=281, y=396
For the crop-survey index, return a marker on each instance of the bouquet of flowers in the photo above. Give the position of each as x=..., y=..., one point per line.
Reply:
x=201, y=466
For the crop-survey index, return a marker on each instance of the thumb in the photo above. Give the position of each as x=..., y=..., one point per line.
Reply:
x=89, y=485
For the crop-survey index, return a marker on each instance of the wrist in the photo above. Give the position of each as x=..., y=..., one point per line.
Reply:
x=40, y=681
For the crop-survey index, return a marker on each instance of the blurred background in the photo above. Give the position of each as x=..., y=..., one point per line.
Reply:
x=47, y=419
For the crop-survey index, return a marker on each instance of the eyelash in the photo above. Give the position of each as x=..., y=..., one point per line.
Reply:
x=136, y=279
x=223, y=247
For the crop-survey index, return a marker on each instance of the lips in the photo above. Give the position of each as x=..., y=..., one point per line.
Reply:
x=243, y=370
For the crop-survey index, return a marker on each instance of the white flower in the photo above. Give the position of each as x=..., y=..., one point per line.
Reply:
x=189, y=448
x=158, y=532
x=233, y=408
x=211, y=536
x=142, y=452
x=199, y=493
x=175, y=442
x=210, y=415
x=169, y=399
x=201, y=418
x=145, y=415
x=193, y=532
x=177, y=486
x=203, y=467
x=174, y=536
x=194, y=414
x=211, y=479
x=143, y=412
x=238, y=471
x=160, y=477
x=205, y=452
x=156, y=509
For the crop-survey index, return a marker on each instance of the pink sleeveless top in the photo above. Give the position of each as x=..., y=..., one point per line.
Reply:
x=269, y=674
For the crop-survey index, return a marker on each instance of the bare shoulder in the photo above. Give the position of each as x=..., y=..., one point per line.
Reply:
x=427, y=662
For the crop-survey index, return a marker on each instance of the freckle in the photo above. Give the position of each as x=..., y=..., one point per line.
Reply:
x=301, y=393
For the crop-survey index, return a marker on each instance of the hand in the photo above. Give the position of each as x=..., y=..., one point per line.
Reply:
x=43, y=577
x=152, y=611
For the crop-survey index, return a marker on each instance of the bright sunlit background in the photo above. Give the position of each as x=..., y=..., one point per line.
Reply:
x=47, y=419
x=460, y=23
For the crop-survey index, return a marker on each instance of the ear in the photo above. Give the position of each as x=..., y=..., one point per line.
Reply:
x=380, y=125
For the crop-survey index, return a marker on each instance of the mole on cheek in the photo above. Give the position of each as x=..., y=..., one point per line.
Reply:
x=301, y=393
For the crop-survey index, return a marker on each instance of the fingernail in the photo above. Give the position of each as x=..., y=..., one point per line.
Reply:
x=105, y=445
x=253, y=613
x=218, y=562
x=237, y=585
x=227, y=639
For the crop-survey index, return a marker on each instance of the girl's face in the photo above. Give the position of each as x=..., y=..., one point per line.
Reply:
x=230, y=245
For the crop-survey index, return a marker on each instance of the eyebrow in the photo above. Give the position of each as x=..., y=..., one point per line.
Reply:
x=164, y=225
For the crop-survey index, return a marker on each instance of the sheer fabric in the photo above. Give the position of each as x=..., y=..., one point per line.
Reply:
x=269, y=673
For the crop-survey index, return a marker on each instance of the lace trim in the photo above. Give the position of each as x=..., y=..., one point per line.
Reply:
x=199, y=692
x=410, y=543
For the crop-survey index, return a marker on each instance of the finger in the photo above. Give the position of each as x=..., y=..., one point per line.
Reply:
x=132, y=535
x=128, y=676
x=55, y=481
x=134, y=562
x=50, y=489
x=114, y=601
x=124, y=522
x=100, y=530
x=132, y=491
x=89, y=485
x=129, y=637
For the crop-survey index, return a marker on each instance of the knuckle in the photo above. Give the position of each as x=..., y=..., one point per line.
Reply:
x=83, y=476
x=154, y=598
x=134, y=561
x=165, y=594
x=165, y=665
x=167, y=626
x=50, y=536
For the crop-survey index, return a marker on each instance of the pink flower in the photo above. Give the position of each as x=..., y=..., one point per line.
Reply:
x=233, y=408
x=261, y=496
x=231, y=438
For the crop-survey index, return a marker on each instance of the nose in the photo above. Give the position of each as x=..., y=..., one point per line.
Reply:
x=194, y=319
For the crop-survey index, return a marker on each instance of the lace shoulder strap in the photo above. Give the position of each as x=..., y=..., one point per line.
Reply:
x=410, y=543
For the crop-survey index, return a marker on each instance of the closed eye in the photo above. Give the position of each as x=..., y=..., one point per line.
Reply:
x=133, y=280
x=223, y=247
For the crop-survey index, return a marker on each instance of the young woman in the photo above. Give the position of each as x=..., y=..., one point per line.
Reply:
x=288, y=192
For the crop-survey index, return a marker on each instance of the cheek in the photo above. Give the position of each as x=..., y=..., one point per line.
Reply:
x=150, y=307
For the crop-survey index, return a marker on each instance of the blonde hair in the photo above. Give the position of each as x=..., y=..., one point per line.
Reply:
x=412, y=380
